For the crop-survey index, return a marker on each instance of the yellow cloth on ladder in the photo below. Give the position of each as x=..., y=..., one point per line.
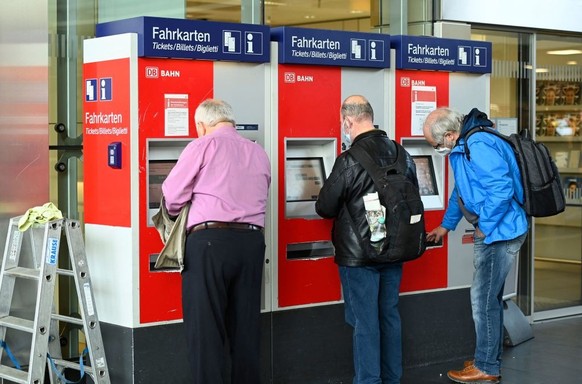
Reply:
x=41, y=215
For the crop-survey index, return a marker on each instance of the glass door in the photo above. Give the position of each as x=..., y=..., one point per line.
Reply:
x=511, y=85
x=558, y=123
x=547, y=99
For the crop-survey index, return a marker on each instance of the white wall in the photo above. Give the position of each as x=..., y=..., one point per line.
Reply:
x=561, y=15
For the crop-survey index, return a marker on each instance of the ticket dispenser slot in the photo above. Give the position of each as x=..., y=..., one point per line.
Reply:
x=162, y=155
x=308, y=162
x=311, y=250
x=429, y=171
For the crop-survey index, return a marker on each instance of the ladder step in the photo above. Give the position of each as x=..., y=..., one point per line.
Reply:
x=27, y=273
x=67, y=319
x=13, y=374
x=17, y=323
x=70, y=364
x=66, y=272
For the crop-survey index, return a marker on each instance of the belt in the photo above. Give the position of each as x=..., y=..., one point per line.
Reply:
x=223, y=225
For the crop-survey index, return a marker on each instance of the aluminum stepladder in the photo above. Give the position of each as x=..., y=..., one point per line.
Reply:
x=42, y=326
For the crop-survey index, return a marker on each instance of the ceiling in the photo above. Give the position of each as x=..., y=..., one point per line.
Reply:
x=281, y=12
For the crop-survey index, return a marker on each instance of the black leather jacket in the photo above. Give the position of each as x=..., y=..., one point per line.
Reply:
x=341, y=197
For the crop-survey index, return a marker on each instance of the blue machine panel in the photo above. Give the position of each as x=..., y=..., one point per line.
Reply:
x=438, y=54
x=332, y=48
x=194, y=39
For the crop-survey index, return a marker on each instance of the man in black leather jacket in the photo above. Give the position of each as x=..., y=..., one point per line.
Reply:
x=370, y=289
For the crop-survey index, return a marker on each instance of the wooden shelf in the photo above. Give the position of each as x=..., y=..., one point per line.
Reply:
x=571, y=217
x=558, y=225
x=558, y=108
x=575, y=171
x=559, y=139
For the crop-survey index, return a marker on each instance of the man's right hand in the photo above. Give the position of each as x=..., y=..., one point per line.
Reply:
x=436, y=234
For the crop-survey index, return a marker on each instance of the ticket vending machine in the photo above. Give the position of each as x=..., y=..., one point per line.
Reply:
x=313, y=72
x=429, y=73
x=435, y=72
x=144, y=78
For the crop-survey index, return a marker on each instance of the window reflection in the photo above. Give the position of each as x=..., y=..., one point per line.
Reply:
x=348, y=15
x=558, y=239
x=505, y=75
x=214, y=10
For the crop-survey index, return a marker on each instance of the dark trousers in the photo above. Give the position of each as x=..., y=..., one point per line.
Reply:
x=221, y=299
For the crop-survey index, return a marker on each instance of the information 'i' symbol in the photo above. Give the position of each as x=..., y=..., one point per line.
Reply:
x=250, y=43
x=373, y=51
x=477, y=61
x=103, y=89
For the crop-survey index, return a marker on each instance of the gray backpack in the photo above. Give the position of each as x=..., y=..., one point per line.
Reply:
x=542, y=186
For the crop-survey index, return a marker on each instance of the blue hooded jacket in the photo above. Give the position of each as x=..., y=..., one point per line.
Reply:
x=489, y=183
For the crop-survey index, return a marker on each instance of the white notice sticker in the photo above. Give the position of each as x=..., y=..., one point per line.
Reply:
x=89, y=299
x=415, y=219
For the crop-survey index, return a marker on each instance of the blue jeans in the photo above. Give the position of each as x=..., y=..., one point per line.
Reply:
x=371, y=308
x=492, y=264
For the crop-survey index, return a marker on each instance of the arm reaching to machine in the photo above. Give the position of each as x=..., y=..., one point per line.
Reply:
x=436, y=234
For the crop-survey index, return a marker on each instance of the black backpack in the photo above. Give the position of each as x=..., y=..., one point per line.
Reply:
x=405, y=232
x=542, y=186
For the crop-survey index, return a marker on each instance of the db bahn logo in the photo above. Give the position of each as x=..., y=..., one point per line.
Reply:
x=289, y=77
x=152, y=72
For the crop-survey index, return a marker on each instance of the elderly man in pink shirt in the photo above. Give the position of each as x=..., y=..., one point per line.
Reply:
x=226, y=177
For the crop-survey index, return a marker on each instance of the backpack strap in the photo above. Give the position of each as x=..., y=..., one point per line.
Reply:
x=523, y=133
x=374, y=170
x=473, y=130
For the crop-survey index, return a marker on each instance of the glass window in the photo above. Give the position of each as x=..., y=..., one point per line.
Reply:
x=558, y=239
x=214, y=10
x=347, y=15
x=506, y=76
x=510, y=98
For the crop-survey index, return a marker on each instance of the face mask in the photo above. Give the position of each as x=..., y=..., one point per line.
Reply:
x=346, y=135
x=444, y=150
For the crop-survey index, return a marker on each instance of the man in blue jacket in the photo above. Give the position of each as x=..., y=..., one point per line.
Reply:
x=488, y=193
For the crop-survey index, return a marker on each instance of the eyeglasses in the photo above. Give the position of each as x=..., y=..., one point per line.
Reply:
x=441, y=144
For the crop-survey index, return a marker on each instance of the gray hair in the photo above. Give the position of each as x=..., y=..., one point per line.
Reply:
x=445, y=120
x=214, y=111
x=357, y=107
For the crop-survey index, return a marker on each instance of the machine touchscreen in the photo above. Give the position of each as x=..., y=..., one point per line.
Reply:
x=425, y=174
x=158, y=171
x=304, y=178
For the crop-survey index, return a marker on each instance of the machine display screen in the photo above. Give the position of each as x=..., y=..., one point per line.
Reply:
x=158, y=171
x=304, y=178
x=425, y=174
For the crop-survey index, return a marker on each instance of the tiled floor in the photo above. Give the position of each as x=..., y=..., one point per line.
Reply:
x=553, y=356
